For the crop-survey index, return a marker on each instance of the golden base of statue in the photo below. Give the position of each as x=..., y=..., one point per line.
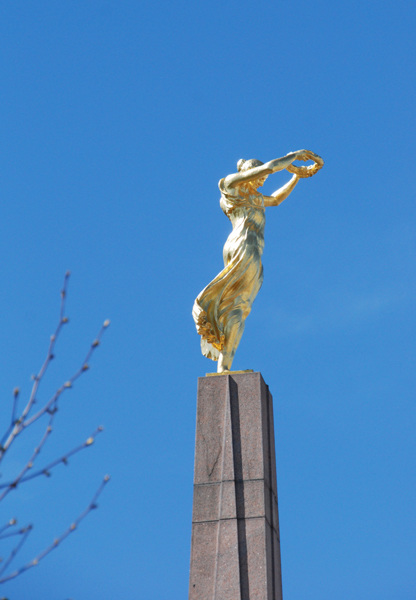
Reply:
x=229, y=373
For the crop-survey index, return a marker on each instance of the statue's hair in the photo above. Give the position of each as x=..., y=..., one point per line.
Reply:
x=245, y=165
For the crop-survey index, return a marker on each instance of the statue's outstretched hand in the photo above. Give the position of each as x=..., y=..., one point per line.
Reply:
x=308, y=155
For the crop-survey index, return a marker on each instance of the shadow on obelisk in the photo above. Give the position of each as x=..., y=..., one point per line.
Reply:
x=235, y=552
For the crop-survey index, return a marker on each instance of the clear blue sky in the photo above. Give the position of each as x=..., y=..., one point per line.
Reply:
x=117, y=121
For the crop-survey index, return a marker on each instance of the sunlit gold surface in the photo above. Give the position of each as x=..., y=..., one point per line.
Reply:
x=221, y=309
x=228, y=373
x=307, y=171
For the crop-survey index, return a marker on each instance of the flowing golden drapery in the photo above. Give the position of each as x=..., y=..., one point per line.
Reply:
x=229, y=297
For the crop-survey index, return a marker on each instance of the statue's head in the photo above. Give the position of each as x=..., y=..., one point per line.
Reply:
x=245, y=165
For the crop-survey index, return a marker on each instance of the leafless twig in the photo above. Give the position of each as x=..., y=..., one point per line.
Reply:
x=21, y=478
x=24, y=421
x=7, y=526
x=19, y=424
x=33, y=563
x=24, y=533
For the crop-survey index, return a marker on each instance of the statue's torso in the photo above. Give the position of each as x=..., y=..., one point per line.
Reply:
x=247, y=215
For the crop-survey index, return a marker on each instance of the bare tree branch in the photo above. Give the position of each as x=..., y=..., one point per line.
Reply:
x=21, y=423
x=51, y=404
x=38, y=378
x=13, y=419
x=25, y=533
x=33, y=563
x=11, y=523
x=21, y=478
x=18, y=425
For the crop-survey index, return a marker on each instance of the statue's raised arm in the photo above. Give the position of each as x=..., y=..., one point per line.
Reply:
x=221, y=309
x=273, y=166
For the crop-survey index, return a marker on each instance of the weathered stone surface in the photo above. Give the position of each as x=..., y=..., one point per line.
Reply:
x=235, y=551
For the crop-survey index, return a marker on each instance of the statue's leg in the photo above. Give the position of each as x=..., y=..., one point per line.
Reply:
x=232, y=333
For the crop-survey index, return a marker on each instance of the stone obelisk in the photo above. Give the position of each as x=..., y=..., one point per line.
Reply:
x=235, y=552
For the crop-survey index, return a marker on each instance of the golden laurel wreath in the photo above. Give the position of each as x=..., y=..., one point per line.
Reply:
x=311, y=169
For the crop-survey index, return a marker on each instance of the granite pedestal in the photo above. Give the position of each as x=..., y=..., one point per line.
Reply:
x=235, y=552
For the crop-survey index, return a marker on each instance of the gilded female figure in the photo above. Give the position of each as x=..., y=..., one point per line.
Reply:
x=221, y=309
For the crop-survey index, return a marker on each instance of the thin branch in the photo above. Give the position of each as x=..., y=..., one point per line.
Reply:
x=13, y=485
x=27, y=418
x=12, y=533
x=92, y=505
x=46, y=470
x=38, y=378
x=25, y=533
x=9, y=524
x=68, y=384
x=13, y=419
x=24, y=421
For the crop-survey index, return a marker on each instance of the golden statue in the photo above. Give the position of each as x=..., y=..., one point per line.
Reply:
x=222, y=307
